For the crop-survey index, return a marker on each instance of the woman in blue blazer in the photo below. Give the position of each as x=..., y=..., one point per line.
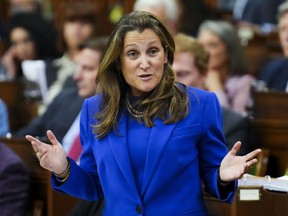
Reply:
x=148, y=144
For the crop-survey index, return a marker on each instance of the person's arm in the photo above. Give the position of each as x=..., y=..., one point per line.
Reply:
x=212, y=150
x=4, y=122
x=242, y=96
x=53, y=158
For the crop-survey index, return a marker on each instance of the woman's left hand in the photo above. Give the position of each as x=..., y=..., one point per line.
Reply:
x=234, y=167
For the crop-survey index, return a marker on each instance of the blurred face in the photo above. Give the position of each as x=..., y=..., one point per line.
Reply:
x=142, y=61
x=22, y=44
x=186, y=70
x=160, y=12
x=283, y=33
x=88, y=61
x=76, y=32
x=216, y=48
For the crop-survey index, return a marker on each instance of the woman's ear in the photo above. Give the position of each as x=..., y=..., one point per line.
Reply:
x=166, y=59
x=166, y=55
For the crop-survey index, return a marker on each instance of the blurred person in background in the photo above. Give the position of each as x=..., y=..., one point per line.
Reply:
x=257, y=15
x=14, y=184
x=168, y=11
x=30, y=37
x=64, y=110
x=191, y=65
x=227, y=74
x=274, y=73
x=79, y=23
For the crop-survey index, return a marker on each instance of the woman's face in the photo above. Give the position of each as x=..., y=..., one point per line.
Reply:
x=22, y=44
x=216, y=49
x=76, y=32
x=142, y=61
x=186, y=71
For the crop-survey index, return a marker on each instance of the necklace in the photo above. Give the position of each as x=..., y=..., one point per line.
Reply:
x=132, y=111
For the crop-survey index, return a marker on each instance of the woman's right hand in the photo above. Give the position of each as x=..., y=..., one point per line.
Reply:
x=51, y=157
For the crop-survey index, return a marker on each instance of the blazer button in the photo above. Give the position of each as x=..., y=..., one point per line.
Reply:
x=139, y=209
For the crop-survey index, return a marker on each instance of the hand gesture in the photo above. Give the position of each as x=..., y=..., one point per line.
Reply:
x=51, y=157
x=8, y=60
x=234, y=167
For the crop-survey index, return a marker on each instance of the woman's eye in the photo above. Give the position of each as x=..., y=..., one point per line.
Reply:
x=132, y=54
x=153, y=51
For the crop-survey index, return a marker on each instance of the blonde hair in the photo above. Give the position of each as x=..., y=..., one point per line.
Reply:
x=186, y=43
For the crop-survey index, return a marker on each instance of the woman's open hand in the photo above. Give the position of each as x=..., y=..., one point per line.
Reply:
x=52, y=157
x=234, y=167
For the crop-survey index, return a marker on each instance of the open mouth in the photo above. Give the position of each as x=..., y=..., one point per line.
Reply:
x=145, y=75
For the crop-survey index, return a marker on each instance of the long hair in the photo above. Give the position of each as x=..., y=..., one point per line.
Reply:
x=228, y=35
x=167, y=101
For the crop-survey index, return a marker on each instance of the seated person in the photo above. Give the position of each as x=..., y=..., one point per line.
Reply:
x=63, y=111
x=274, y=73
x=227, y=75
x=190, y=65
x=14, y=184
x=4, y=121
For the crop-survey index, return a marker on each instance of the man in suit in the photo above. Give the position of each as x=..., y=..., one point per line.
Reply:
x=274, y=73
x=65, y=108
x=14, y=184
x=258, y=14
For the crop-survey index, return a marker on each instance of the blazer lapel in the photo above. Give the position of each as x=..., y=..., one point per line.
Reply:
x=118, y=144
x=159, y=138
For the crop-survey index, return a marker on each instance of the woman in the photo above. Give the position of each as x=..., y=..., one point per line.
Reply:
x=31, y=37
x=77, y=25
x=146, y=143
x=227, y=71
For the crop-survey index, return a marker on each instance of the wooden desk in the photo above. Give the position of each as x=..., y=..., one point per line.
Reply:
x=270, y=204
x=54, y=203
x=20, y=110
x=269, y=128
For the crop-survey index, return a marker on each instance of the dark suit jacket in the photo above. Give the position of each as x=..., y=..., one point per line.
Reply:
x=51, y=75
x=275, y=74
x=14, y=184
x=236, y=128
x=260, y=11
x=58, y=117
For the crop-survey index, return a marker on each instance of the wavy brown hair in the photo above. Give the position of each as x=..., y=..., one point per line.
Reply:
x=167, y=101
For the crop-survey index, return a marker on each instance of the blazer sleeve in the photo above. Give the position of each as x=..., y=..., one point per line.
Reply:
x=85, y=176
x=212, y=149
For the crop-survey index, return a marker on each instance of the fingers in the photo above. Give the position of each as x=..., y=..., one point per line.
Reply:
x=35, y=142
x=235, y=148
x=252, y=154
x=52, y=137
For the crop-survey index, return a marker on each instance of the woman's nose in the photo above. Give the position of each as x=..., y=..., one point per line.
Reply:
x=144, y=63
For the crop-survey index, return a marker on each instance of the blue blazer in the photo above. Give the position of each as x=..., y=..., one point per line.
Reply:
x=179, y=157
